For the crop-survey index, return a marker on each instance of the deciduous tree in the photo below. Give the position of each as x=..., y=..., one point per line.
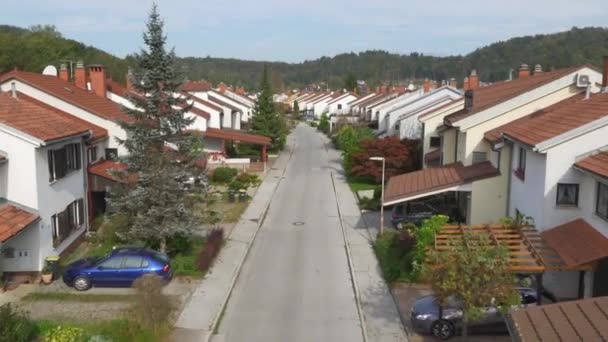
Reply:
x=400, y=157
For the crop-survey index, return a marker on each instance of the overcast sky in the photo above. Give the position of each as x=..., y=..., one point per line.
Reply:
x=293, y=31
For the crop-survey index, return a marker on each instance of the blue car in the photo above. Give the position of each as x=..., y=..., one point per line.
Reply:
x=117, y=269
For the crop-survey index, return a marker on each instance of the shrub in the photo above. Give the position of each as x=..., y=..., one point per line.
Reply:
x=425, y=237
x=388, y=256
x=15, y=326
x=313, y=124
x=179, y=243
x=212, y=247
x=152, y=307
x=224, y=174
x=62, y=333
x=244, y=181
x=400, y=157
x=324, y=123
x=405, y=241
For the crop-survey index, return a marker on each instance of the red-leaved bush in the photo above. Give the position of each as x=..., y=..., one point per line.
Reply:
x=401, y=156
x=215, y=240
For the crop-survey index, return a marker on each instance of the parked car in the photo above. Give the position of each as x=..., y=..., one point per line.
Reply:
x=425, y=316
x=411, y=212
x=117, y=269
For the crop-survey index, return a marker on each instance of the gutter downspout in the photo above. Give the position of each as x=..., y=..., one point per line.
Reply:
x=456, y=147
x=509, y=177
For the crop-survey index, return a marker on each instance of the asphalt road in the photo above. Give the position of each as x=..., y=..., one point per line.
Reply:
x=295, y=284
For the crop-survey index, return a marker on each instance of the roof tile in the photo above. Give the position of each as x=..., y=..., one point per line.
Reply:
x=13, y=220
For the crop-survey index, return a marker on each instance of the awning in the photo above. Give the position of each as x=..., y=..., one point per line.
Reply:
x=579, y=320
x=596, y=164
x=236, y=135
x=107, y=168
x=452, y=177
x=13, y=220
x=577, y=242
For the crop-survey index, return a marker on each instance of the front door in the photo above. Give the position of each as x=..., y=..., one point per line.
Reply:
x=600, y=279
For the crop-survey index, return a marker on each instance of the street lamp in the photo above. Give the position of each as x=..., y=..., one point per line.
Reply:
x=382, y=194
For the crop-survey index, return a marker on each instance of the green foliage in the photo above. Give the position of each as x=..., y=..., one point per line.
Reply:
x=348, y=139
x=350, y=82
x=473, y=271
x=296, y=109
x=224, y=174
x=152, y=307
x=64, y=334
x=266, y=120
x=184, y=262
x=313, y=124
x=425, y=238
x=158, y=203
x=15, y=326
x=244, y=181
x=324, y=123
x=119, y=330
x=395, y=261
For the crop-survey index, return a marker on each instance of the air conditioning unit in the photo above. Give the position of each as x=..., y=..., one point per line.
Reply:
x=583, y=81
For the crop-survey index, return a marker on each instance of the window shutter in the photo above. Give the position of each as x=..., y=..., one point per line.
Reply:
x=80, y=211
x=51, y=161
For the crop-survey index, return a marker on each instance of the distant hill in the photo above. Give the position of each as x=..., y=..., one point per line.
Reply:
x=32, y=49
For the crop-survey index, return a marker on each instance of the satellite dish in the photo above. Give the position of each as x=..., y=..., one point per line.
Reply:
x=50, y=70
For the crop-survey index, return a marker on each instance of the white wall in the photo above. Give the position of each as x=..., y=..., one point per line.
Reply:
x=410, y=127
x=528, y=195
x=344, y=101
x=242, y=108
x=395, y=103
x=18, y=174
x=27, y=244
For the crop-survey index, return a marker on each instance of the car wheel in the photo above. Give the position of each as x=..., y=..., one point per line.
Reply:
x=442, y=329
x=82, y=283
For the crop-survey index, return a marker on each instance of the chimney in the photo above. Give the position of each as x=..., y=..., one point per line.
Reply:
x=473, y=80
x=80, y=75
x=427, y=85
x=14, y=89
x=465, y=83
x=523, y=71
x=453, y=83
x=99, y=80
x=538, y=69
x=605, y=75
x=129, y=80
x=222, y=87
x=64, y=74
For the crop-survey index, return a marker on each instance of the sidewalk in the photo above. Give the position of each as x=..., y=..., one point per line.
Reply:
x=381, y=318
x=204, y=309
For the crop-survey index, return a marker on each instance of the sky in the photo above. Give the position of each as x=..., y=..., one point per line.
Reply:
x=295, y=31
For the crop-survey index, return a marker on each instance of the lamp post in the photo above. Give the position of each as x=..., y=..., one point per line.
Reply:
x=382, y=194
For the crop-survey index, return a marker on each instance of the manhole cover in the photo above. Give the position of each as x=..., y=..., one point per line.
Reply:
x=298, y=223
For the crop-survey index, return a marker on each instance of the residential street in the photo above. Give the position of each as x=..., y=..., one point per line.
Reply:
x=295, y=284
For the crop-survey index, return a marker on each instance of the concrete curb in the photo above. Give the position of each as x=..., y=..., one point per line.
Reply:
x=261, y=220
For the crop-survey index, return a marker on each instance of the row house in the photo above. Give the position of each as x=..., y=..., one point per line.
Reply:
x=341, y=104
x=532, y=147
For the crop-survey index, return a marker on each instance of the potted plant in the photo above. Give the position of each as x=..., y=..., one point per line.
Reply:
x=47, y=275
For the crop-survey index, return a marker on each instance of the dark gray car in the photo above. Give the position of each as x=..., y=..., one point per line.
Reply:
x=425, y=316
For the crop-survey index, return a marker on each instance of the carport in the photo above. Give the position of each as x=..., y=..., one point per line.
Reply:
x=529, y=253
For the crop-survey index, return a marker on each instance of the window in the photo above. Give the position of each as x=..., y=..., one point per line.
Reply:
x=567, y=194
x=601, y=205
x=112, y=263
x=63, y=161
x=521, y=164
x=339, y=106
x=435, y=141
x=92, y=154
x=133, y=262
x=479, y=157
x=111, y=153
x=67, y=221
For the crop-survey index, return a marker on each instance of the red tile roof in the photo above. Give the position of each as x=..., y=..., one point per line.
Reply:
x=429, y=112
x=375, y=99
x=13, y=220
x=42, y=123
x=577, y=242
x=343, y=96
x=432, y=156
x=68, y=92
x=106, y=168
x=499, y=92
x=204, y=102
x=200, y=112
x=230, y=134
x=596, y=163
x=578, y=320
x=434, y=179
x=196, y=86
x=554, y=120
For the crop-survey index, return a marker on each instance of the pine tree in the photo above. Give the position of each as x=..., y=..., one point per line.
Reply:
x=266, y=119
x=162, y=153
x=350, y=82
x=296, y=109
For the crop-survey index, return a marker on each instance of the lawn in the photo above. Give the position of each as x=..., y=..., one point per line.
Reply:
x=358, y=185
x=225, y=211
x=71, y=297
x=119, y=330
x=184, y=264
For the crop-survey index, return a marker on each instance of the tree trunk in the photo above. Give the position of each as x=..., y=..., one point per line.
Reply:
x=163, y=245
x=465, y=330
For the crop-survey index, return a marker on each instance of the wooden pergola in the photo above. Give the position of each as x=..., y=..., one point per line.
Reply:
x=528, y=252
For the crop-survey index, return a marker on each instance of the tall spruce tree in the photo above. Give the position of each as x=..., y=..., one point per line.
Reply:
x=163, y=156
x=296, y=109
x=266, y=119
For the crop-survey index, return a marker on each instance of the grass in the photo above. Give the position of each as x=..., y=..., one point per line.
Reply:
x=184, y=264
x=228, y=212
x=72, y=297
x=359, y=184
x=119, y=330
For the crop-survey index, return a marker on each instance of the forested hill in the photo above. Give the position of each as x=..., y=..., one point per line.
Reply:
x=34, y=48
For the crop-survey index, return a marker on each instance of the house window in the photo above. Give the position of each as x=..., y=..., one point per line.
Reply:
x=567, y=194
x=63, y=161
x=92, y=154
x=339, y=106
x=66, y=222
x=601, y=205
x=479, y=157
x=521, y=164
x=111, y=153
x=435, y=141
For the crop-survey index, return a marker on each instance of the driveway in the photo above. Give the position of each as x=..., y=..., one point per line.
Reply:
x=295, y=284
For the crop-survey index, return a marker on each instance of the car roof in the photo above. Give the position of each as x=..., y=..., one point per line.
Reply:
x=133, y=251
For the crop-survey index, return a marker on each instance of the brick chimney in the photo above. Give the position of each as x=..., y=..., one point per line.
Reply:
x=64, y=74
x=473, y=80
x=605, y=75
x=538, y=69
x=465, y=83
x=426, y=86
x=222, y=87
x=129, y=80
x=240, y=91
x=523, y=71
x=453, y=83
x=80, y=75
x=99, y=80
